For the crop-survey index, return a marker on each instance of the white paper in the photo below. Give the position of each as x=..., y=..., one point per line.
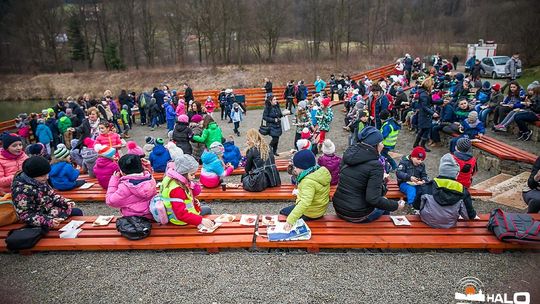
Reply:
x=204, y=229
x=70, y=234
x=225, y=218
x=400, y=220
x=72, y=225
x=248, y=220
x=86, y=186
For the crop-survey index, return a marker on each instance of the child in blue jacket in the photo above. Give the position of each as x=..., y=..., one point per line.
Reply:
x=63, y=175
x=232, y=153
x=160, y=156
x=237, y=115
x=170, y=115
x=44, y=135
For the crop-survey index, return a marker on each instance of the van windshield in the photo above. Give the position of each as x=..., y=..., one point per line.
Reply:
x=501, y=60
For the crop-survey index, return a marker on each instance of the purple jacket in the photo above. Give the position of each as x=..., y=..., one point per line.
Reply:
x=331, y=162
x=104, y=169
x=132, y=194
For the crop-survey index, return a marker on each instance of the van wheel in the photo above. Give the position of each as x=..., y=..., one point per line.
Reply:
x=494, y=75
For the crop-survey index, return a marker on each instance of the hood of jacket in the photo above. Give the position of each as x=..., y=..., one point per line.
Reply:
x=394, y=124
x=463, y=156
x=360, y=153
x=143, y=186
x=181, y=126
x=447, y=191
x=208, y=157
x=159, y=150
x=212, y=126
x=58, y=170
x=103, y=162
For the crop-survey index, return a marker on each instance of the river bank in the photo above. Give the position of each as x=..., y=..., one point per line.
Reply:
x=49, y=86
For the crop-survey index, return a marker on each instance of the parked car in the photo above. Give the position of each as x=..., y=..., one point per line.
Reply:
x=494, y=66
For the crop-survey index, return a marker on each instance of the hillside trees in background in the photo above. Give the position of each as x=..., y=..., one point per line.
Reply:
x=66, y=35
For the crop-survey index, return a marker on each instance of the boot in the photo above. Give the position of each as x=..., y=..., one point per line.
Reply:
x=423, y=144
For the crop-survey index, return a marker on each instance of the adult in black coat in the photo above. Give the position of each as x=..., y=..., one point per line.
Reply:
x=359, y=196
x=476, y=70
x=182, y=134
x=425, y=114
x=188, y=93
x=532, y=197
x=77, y=110
x=272, y=116
x=258, y=155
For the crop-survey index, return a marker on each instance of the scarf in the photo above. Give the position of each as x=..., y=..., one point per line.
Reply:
x=306, y=172
x=8, y=155
x=94, y=130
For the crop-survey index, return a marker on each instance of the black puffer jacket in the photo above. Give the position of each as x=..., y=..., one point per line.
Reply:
x=425, y=111
x=360, y=188
x=254, y=161
x=272, y=115
x=182, y=134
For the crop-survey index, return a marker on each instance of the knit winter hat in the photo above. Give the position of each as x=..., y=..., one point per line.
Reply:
x=360, y=104
x=61, y=152
x=533, y=85
x=74, y=142
x=105, y=151
x=384, y=114
x=370, y=136
x=473, y=116
x=185, y=164
x=304, y=159
x=326, y=102
x=302, y=104
x=149, y=140
x=217, y=148
x=159, y=141
x=183, y=118
x=496, y=87
x=460, y=76
x=174, y=150
x=133, y=148
x=36, y=166
x=486, y=85
x=8, y=139
x=89, y=142
x=305, y=134
x=130, y=164
x=328, y=147
x=196, y=118
x=418, y=152
x=35, y=149
x=464, y=145
x=303, y=144
x=448, y=167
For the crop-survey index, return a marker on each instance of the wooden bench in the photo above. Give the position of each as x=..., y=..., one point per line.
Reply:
x=332, y=232
x=107, y=238
x=503, y=150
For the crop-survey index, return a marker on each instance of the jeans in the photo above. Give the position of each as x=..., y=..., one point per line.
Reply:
x=389, y=159
x=170, y=124
x=409, y=191
x=483, y=115
x=508, y=119
x=374, y=215
x=523, y=118
x=154, y=122
x=223, y=111
x=236, y=126
x=532, y=198
x=205, y=210
x=289, y=209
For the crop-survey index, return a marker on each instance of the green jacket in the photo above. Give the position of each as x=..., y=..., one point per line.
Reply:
x=313, y=196
x=209, y=135
x=63, y=124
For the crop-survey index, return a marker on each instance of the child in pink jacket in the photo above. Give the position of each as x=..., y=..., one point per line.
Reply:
x=209, y=105
x=131, y=189
x=105, y=165
x=213, y=168
x=181, y=107
x=109, y=138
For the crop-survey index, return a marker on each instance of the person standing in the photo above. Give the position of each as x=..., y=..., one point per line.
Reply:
x=188, y=93
x=455, y=60
x=272, y=116
x=513, y=67
x=267, y=88
x=319, y=84
x=289, y=95
x=425, y=114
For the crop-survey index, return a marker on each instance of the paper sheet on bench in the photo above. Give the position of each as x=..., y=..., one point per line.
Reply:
x=70, y=234
x=86, y=186
x=400, y=220
x=72, y=225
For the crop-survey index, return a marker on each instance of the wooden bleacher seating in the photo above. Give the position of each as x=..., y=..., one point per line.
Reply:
x=327, y=232
x=503, y=150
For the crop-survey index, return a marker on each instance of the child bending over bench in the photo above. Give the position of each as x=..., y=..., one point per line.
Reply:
x=313, y=189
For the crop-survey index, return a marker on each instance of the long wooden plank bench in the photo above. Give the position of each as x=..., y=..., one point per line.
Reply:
x=332, y=232
x=503, y=150
x=107, y=238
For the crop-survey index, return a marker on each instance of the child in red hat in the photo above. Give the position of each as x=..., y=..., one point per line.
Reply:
x=411, y=173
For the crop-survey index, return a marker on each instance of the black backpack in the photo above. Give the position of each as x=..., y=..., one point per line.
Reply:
x=25, y=238
x=514, y=227
x=134, y=227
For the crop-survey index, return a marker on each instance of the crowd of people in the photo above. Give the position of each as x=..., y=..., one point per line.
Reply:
x=89, y=136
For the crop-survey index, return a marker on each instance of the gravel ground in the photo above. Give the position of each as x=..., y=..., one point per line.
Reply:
x=239, y=276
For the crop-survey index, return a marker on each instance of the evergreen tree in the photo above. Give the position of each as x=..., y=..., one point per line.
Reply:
x=112, y=57
x=76, y=40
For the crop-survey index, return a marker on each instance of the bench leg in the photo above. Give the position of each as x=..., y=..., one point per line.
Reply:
x=313, y=250
x=212, y=250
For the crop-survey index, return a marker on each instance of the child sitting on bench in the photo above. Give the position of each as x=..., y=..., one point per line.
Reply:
x=36, y=203
x=63, y=175
x=330, y=160
x=106, y=164
x=411, y=173
x=313, y=189
x=159, y=156
x=213, y=168
x=132, y=188
x=178, y=186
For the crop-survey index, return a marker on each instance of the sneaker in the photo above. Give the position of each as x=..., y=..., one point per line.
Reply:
x=152, y=129
x=521, y=135
x=527, y=136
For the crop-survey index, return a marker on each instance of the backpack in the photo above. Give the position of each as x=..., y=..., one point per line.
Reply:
x=514, y=227
x=158, y=209
x=134, y=227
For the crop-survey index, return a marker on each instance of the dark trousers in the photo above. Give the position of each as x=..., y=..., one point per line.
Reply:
x=236, y=126
x=500, y=113
x=532, y=198
x=523, y=118
x=423, y=134
x=389, y=159
x=289, y=209
x=274, y=143
x=223, y=111
x=297, y=136
x=289, y=104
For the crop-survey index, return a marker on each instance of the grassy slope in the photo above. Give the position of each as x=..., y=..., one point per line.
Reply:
x=529, y=75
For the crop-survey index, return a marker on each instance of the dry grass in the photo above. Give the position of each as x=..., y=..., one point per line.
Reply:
x=45, y=86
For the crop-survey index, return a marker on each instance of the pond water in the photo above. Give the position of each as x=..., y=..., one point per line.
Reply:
x=11, y=108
